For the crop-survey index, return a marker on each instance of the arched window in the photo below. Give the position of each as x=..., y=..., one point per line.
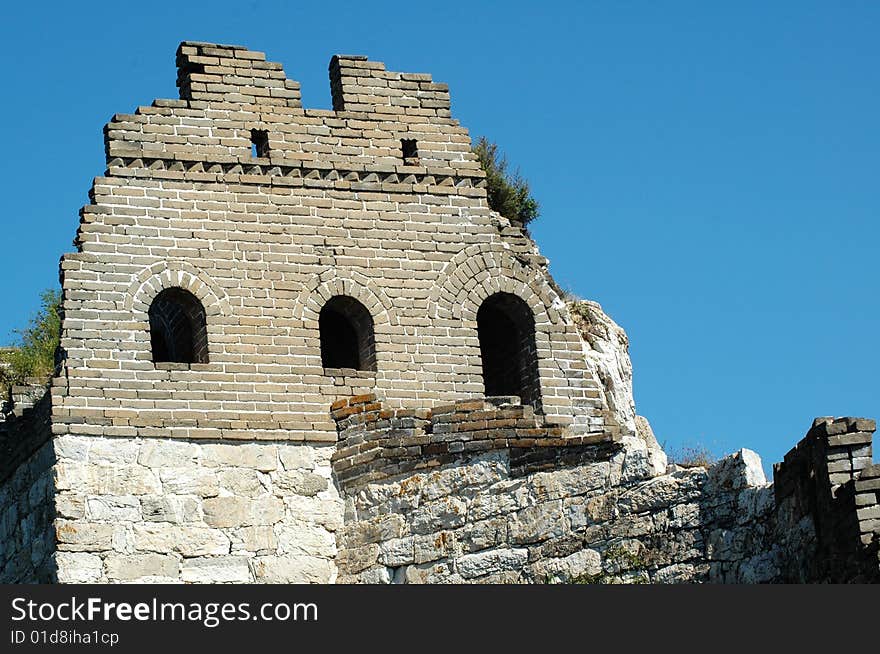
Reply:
x=347, y=339
x=178, y=333
x=506, y=328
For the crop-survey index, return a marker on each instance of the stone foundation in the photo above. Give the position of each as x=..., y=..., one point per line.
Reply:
x=150, y=510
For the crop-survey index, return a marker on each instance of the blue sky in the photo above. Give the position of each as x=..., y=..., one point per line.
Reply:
x=708, y=174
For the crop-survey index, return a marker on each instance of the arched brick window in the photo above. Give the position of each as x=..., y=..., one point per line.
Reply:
x=506, y=328
x=347, y=339
x=178, y=333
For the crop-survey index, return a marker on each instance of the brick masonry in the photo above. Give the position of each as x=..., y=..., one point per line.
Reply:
x=254, y=462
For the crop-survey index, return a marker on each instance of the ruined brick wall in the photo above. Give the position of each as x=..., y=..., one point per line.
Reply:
x=484, y=492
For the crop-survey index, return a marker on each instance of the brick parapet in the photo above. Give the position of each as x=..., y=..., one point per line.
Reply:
x=230, y=73
x=228, y=92
x=376, y=443
x=357, y=84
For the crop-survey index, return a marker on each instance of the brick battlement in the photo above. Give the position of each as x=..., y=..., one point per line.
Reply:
x=834, y=452
x=377, y=443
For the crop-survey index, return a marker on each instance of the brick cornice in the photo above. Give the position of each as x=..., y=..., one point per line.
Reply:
x=305, y=174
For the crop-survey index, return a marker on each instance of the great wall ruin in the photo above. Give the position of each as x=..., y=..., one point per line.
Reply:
x=298, y=346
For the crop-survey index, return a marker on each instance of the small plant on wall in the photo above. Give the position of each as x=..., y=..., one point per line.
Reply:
x=509, y=194
x=33, y=353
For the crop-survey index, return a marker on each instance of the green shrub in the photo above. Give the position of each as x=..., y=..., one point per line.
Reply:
x=33, y=355
x=508, y=193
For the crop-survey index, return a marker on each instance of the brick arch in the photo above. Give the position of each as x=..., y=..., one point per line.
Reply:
x=166, y=275
x=178, y=274
x=481, y=271
x=508, y=348
x=477, y=272
x=317, y=291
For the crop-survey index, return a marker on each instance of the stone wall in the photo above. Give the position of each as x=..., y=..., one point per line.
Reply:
x=27, y=507
x=169, y=510
x=477, y=491
x=432, y=498
x=376, y=444
x=254, y=462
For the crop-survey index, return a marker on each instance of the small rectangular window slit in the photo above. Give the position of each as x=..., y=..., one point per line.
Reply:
x=259, y=143
x=410, y=151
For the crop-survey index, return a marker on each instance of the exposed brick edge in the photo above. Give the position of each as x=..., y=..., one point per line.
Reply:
x=376, y=444
x=830, y=476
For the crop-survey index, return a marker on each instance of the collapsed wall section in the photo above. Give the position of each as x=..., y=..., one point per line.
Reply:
x=484, y=491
